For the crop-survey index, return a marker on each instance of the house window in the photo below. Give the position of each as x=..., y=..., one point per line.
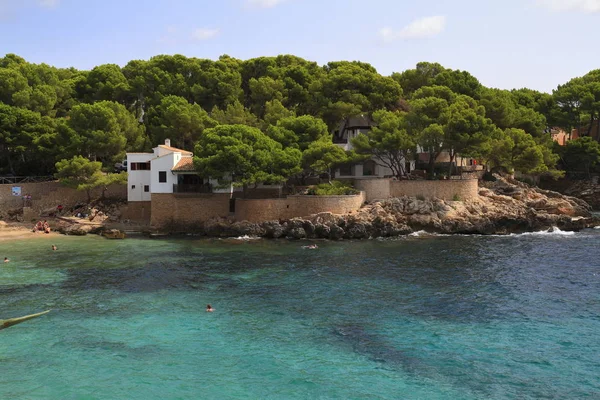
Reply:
x=146, y=188
x=133, y=186
x=369, y=168
x=162, y=176
x=140, y=166
x=347, y=170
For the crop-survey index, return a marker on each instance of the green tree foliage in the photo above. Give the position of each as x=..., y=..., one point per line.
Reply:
x=321, y=157
x=357, y=84
x=427, y=106
x=579, y=102
x=176, y=119
x=389, y=143
x=82, y=174
x=234, y=114
x=275, y=111
x=104, y=82
x=49, y=113
x=20, y=129
x=101, y=130
x=244, y=156
x=312, y=138
x=516, y=150
x=581, y=155
x=466, y=129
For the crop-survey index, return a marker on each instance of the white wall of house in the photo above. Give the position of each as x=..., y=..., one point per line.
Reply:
x=164, y=164
x=362, y=171
x=138, y=181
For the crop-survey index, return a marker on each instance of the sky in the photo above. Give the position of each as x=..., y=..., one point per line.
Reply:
x=504, y=43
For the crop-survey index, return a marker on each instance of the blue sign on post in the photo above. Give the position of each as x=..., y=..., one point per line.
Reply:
x=16, y=190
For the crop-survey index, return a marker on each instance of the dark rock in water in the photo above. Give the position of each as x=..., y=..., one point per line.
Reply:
x=322, y=231
x=273, y=229
x=357, y=230
x=336, y=232
x=309, y=228
x=296, y=233
x=245, y=228
x=113, y=234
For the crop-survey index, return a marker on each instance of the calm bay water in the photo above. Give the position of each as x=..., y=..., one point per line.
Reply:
x=415, y=318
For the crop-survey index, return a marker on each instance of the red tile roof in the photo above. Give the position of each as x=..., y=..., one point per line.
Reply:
x=184, y=165
x=175, y=149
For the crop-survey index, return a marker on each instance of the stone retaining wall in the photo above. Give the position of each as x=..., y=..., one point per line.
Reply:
x=47, y=195
x=183, y=209
x=255, y=210
x=375, y=189
x=137, y=211
x=461, y=189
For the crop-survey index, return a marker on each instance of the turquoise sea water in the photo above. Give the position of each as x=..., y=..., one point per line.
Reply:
x=416, y=318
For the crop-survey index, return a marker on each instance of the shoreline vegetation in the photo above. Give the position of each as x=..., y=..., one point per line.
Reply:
x=276, y=120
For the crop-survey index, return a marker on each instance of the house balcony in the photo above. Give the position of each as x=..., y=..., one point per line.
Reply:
x=192, y=188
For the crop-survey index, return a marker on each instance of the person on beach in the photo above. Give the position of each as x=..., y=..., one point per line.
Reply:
x=6, y=259
x=54, y=248
x=39, y=226
x=209, y=308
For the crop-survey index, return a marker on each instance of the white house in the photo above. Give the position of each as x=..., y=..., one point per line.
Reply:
x=348, y=130
x=166, y=170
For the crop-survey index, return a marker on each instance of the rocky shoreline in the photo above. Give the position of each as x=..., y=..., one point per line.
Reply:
x=503, y=207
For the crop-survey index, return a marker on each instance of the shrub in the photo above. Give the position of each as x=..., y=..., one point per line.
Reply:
x=420, y=197
x=456, y=197
x=335, y=188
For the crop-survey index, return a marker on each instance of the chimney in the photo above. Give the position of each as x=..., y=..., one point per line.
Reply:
x=168, y=142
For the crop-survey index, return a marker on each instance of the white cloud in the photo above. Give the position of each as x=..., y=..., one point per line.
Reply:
x=48, y=3
x=420, y=28
x=10, y=9
x=264, y=3
x=586, y=6
x=204, y=33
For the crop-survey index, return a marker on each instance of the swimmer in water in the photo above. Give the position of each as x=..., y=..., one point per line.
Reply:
x=311, y=247
x=6, y=259
x=54, y=247
x=209, y=308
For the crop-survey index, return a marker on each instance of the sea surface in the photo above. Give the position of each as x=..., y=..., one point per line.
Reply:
x=422, y=317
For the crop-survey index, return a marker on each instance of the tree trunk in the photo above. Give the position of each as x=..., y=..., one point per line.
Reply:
x=430, y=167
x=589, y=131
x=452, y=155
x=244, y=190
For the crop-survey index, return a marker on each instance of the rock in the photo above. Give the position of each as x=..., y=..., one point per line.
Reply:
x=113, y=234
x=245, y=228
x=78, y=229
x=296, y=233
x=322, y=231
x=336, y=232
x=357, y=230
x=273, y=229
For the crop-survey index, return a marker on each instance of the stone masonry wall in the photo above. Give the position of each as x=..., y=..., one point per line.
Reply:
x=185, y=209
x=462, y=189
x=137, y=211
x=295, y=206
x=375, y=189
x=47, y=195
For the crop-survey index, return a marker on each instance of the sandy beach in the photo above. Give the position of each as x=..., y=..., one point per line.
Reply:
x=18, y=231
